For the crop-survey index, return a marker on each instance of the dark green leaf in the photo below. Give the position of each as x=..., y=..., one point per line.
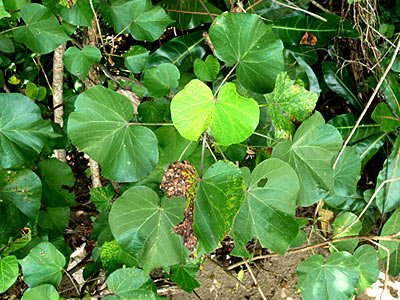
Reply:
x=369, y=266
x=347, y=173
x=342, y=221
x=6, y=44
x=54, y=219
x=385, y=117
x=79, y=62
x=159, y=80
x=392, y=226
x=101, y=197
x=368, y=147
x=80, y=14
x=136, y=58
x=185, y=276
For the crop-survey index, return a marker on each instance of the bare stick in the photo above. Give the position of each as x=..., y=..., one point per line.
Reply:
x=226, y=78
x=378, y=86
x=255, y=281
x=300, y=9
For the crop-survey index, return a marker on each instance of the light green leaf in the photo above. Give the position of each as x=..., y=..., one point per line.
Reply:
x=43, y=264
x=369, y=266
x=8, y=272
x=289, y=101
x=347, y=173
x=392, y=226
x=41, y=33
x=23, y=132
x=135, y=58
x=185, y=276
x=79, y=62
x=388, y=197
x=160, y=79
x=336, y=278
x=101, y=197
x=42, y=292
x=132, y=283
x=314, y=146
x=342, y=221
x=291, y=29
x=268, y=211
x=3, y=12
x=231, y=117
x=385, y=117
x=56, y=177
x=100, y=127
x=206, y=70
x=189, y=14
x=245, y=39
x=218, y=199
x=143, y=225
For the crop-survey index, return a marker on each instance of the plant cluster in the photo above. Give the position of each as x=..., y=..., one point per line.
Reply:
x=274, y=123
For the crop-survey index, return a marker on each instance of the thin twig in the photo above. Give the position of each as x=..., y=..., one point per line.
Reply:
x=39, y=64
x=320, y=7
x=192, y=12
x=255, y=281
x=387, y=264
x=202, y=155
x=97, y=22
x=206, y=9
x=226, y=78
x=72, y=281
x=184, y=151
x=371, y=99
x=212, y=152
x=300, y=9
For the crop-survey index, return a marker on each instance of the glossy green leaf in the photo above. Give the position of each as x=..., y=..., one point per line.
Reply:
x=342, y=221
x=315, y=145
x=385, y=117
x=135, y=58
x=347, y=172
x=274, y=10
x=143, y=225
x=231, y=117
x=189, y=14
x=388, y=197
x=268, y=212
x=368, y=147
x=42, y=292
x=218, y=199
x=159, y=80
x=353, y=203
x=131, y=283
x=43, y=264
x=346, y=122
x=391, y=91
x=336, y=278
x=101, y=120
x=291, y=29
x=8, y=272
x=341, y=83
x=392, y=226
x=185, y=276
x=369, y=266
x=41, y=33
x=80, y=14
x=23, y=132
x=79, y=62
x=245, y=40
x=56, y=177
x=289, y=101
x=206, y=70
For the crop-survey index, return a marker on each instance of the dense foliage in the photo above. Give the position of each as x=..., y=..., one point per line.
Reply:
x=270, y=123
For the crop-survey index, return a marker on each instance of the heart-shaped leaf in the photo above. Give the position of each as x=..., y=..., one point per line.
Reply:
x=143, y=225
x=289, y=101
x=23, y=132
x=206, y=70
x=218, y=199
x=41, y=33
x=185, y=276
x=43, y=264
x=231, y=117
x=268, y=211
x=342, y=221
x=369, y=266
x=8, y=272
x=311, y=154
x=336, y=278
x=160, y=79
x=245, y=40
x=135, y=58
x=100, y=127
x=79, y=62
x=42, y=292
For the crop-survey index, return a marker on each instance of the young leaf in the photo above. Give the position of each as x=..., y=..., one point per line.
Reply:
x=385, y=118
x=161, y=79
x=43, y=264
x=369, y=266
x=268, y=211
x=245, y=40
x=336, y=278
x=218, y=199
x=231, y=117
x=388, y=197
x=23, y=132
x=342, y=221
x=131, y=283
x=100, y=127
x=8, y=272
x=185, y=276
x=101, y=197
x=206, y=70
x=314, y=146
x=79, y=62
x=41, y=33
x=135, y=58
x=289, y=101
x=143, y=226
x=42, y=292
x=392, y=226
